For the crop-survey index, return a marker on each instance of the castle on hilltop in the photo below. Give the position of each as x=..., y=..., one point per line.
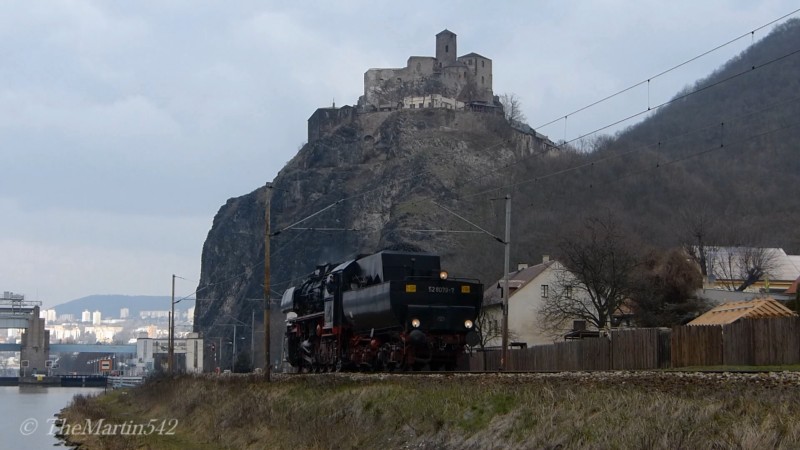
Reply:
x=443, y=81
x=446, y=81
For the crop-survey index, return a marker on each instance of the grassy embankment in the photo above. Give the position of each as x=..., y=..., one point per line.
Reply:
x=599, y=410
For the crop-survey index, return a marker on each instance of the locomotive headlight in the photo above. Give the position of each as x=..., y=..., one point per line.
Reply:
x=415, y=323
x=468, y=324
x=443, y=275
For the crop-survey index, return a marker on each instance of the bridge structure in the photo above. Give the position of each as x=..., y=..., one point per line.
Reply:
x=78, y=348
x=16, y=312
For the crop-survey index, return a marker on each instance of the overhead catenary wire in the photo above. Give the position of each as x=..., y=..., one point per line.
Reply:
x=637, y=114
x=664, y=72
x=626, y=153
x=730, y=146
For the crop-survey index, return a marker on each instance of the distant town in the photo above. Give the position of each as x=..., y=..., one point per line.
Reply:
x=92, y=327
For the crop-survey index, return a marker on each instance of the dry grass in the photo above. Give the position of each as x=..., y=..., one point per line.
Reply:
x=633, y=410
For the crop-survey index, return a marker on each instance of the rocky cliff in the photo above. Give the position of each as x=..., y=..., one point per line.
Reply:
x=384, y=173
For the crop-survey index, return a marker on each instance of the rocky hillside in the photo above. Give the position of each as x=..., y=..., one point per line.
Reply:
x=382, y=172
x=726, y=155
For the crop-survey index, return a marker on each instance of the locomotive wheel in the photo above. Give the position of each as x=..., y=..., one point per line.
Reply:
x=434, y=366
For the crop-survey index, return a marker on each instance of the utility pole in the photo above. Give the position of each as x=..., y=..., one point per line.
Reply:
x=506, y=263
x=219, y=356
x=268, y=201
x=233, y=356
x=171, y=339
x=252, y=340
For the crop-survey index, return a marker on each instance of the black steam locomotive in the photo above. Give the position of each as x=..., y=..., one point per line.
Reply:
x=387, y=311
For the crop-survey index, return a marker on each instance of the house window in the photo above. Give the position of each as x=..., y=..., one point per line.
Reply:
x=481, y=80
x=413, y=106
x=430, y=104
x=483, y=63
x=447, y=49
x=421, y=105
x=568, y=292
x=545, y=290
x=469, y=61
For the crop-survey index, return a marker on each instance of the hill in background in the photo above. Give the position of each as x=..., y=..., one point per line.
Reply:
x=110, y=305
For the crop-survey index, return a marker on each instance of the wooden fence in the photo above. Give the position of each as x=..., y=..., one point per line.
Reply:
x=644, y=348
x=750, y=342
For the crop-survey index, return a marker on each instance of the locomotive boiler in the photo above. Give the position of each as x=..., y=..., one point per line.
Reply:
x=386, y=311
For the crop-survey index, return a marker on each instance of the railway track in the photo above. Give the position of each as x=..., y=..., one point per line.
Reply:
x=544, y=372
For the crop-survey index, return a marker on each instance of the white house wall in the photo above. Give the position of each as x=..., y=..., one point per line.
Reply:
x=524, y=322
x=524, y=306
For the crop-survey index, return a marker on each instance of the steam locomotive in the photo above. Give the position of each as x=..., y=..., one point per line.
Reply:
x=386, y=311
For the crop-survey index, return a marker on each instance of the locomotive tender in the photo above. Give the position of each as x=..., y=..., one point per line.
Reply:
x=386, y=311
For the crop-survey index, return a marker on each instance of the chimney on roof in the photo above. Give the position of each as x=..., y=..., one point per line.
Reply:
x=521, y=266
x=545, y=258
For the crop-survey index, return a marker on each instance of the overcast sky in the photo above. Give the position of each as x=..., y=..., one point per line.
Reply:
x=124, y=126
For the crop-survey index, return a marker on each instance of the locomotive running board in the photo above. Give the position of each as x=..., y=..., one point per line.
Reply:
x=307, y=317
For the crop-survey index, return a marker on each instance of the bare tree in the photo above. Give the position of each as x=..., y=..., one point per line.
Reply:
x=512, y=108
x=599, y=271
x=699, y=227
x=589, y=144
x=490, y=329
x=737, y=268
x=486, y=325
x=739, y=263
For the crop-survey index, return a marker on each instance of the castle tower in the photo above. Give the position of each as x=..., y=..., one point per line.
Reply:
x=446, y=48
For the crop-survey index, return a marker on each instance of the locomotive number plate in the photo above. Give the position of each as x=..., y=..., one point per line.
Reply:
x=441, y=290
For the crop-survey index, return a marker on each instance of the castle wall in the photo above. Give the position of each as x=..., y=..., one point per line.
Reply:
x=325, y=120
x=385, y=88
x=432, y=101
x=481, y=70
x=467, y=78
x=528, y=142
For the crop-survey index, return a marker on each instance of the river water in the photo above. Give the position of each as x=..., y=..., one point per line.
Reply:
x=27, y=413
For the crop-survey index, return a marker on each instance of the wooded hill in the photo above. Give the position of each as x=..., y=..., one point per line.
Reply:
x=725, y=151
